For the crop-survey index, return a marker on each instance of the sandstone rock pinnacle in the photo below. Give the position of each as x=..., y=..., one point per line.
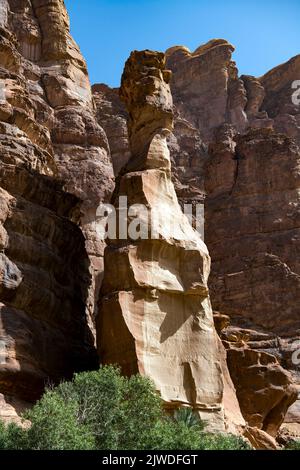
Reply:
x=155, y=316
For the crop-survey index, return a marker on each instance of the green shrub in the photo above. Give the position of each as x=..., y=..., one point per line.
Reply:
x=97, y=395
x=12, y=437
x=119, y=411
x=189, y=418
x=55, y=425
x=293, y=445
x=103, y=410
x=223, y=442
x=169, y=434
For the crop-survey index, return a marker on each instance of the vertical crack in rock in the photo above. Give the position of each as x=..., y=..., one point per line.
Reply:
x=237, y=158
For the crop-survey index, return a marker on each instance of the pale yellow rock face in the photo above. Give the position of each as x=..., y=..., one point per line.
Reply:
x=260, y=440
x=11, y=408
x=155, y=317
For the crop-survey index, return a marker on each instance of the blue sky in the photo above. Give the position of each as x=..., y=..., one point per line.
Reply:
x=265, y=33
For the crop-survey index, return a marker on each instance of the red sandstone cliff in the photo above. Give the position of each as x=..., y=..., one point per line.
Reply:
x=49, y=267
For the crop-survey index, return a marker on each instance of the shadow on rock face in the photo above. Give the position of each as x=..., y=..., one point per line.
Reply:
x=44, y=288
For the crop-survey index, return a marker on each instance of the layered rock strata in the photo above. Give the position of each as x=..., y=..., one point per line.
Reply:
x=208, y=91
x=264, y=388
x=63, y=112
x=251, y=226
x=48, y=132
x=206, y=88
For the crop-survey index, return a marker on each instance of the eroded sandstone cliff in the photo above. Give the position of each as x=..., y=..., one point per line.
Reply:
x=49, y=267
x=58, y=84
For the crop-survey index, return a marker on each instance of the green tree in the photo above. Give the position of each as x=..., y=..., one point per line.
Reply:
x=54, y=425
x=98, y=395
x=119, y=411
x=104, y=410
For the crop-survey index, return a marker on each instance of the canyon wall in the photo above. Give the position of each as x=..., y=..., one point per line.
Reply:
x=230, y=143
x=251, y=126
x=55, y=169
x=58, y=84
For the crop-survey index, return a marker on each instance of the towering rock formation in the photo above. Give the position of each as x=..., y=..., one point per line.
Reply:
x=207, y=92
x=251, y=210
x=188, y=152
x=155, y=316
x=58, y=85
x=206, y=88
x=48, y=132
